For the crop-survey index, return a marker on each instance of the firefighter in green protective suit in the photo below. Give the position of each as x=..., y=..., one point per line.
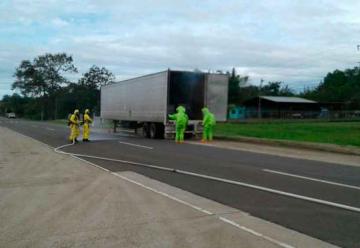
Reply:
x=181, y=120
x=208, y=123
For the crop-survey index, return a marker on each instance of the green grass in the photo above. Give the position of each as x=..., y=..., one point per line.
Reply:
x=339, y=133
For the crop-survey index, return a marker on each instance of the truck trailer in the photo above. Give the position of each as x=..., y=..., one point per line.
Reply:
x=147, y=101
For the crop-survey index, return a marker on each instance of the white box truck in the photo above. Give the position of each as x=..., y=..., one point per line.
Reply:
x=148, y=100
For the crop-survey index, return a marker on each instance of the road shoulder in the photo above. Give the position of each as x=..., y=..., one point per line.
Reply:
x=328, y=157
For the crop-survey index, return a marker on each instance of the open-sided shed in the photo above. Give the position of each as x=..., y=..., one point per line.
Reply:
x=281, y=107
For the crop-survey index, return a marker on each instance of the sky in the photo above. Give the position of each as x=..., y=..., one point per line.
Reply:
x=294, y=41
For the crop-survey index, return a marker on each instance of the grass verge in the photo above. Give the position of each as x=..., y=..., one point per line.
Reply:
x=339, y=133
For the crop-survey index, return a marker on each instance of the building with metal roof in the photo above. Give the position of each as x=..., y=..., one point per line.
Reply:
x=281, y=107
x=286, y=99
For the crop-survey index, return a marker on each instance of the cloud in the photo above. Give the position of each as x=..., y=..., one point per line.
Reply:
x=293, y=41
x=59, y=23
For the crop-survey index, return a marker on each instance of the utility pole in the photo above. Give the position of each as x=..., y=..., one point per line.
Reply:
x=56, y=108
x=259, y=103
x=358, y=49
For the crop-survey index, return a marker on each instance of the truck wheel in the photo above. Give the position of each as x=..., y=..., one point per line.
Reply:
x=153, y=131
x=157, y=131
x=160, y=130
x=145, y=131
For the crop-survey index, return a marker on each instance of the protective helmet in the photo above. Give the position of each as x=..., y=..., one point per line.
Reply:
x=76, y=111
x=87, y=111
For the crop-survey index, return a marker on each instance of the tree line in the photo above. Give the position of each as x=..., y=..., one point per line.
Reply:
x=339, y=87
x=240, y=91
x=342, y=87
x=47, y=93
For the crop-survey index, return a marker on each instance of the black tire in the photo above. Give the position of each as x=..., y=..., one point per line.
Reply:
x=156, y=130
x=160, y=130
x=153, y=131
x=145, y=131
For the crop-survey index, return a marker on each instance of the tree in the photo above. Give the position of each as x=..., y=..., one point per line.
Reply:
x=271, y=89
x=338, y=86
x=14, y=103
x=286, y=91
x=29, y=80
x=248, y=92
x=276, y=89
x=87, y=89
x=96, y=77
x=235, y=82
x=43, y=77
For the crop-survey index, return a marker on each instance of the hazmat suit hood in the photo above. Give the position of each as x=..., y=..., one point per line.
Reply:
x=180, y=109
x=205, y=110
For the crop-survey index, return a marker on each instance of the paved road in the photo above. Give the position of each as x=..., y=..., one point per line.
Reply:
x=332, y=224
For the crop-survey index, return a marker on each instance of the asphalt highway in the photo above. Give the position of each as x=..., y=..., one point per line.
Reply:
x=325, y=182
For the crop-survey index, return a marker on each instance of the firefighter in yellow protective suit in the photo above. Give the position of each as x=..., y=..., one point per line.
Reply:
x=74, y=123
x=86, y=129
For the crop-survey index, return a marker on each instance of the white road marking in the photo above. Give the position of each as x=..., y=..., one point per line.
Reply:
x=57, y=149
x=164, y=194
x=136, y=145
x=246, y=229
x=50, y=129
x=252, y=186
x=88, y=162
x=279, y=192
x=253, y=232
x=312, y=179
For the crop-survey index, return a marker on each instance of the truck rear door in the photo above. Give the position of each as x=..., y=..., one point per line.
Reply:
x=217, y=95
